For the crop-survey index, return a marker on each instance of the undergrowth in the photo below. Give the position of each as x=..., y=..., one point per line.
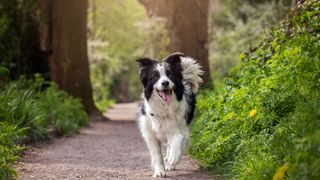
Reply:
x=29, y=110
x=265, y=122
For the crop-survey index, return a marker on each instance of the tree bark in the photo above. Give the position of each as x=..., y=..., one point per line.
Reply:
x=69, y=66
x=45, y=25
x=187, y=25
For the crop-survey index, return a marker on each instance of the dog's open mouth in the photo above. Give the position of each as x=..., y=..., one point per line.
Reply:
x=165, y=95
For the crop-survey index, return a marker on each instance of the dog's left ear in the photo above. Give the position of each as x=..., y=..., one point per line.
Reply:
x=173, y=59
x=143, y=62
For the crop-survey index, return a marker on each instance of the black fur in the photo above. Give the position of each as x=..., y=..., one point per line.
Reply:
x=174, y=73
x=148, y=75
x=191, y=101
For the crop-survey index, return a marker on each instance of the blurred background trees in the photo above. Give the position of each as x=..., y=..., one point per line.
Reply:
x=88, y=48
x=230, y=28
x=187, y=26
x=118, y=32
x=116, y=38
x=69, y=66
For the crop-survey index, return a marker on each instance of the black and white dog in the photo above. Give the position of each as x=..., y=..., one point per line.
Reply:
x=167, y=107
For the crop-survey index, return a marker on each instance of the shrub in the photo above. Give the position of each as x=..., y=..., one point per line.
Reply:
x=29, y=109
x=265, y=123
x=9, y=135
x=20, y=107
x=61, y=110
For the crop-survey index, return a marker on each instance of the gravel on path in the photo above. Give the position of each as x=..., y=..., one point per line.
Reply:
x=104, y=150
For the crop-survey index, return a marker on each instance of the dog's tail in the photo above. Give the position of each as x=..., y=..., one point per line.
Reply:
x=191, y=72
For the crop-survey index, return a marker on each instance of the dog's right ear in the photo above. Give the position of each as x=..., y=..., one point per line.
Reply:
x=143, y=62
x=145, y=66
x=174, y=58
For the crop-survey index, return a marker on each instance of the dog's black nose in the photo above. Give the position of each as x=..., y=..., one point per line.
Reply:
x=165, y=83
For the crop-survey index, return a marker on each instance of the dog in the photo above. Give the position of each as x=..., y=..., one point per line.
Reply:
x=167, y=107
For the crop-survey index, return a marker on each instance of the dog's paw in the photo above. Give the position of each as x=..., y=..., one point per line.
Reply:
x=174, y=158
x=159, y=173
x=170, y=167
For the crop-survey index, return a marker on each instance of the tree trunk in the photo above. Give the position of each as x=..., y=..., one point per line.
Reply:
x=69, y=66
x=187, y=25
x=45, y=25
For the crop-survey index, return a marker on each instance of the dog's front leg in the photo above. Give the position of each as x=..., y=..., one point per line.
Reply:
x=156, y=156
x=175, y=151
x=167, y=165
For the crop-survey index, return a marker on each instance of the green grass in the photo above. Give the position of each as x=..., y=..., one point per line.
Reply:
x=29, y=109
x=9, y=150
x=265, y=121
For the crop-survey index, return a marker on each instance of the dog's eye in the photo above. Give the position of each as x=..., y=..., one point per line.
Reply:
x=169, y=73
x=154, y=75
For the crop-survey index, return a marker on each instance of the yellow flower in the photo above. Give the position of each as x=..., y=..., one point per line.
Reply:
x=280, y=172
x=252, y=113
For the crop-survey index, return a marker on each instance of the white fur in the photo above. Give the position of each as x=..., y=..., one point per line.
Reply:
x=167, y=126
x=191, y=72
x=165, y=123
x=163, y=77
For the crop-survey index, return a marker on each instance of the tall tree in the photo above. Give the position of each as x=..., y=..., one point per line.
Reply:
x=69, y=66
x=187, y=25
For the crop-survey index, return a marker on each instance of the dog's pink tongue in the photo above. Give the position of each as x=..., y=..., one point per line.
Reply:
x=167, y=98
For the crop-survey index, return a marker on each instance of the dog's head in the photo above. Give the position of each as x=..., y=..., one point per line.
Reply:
x=162, y=79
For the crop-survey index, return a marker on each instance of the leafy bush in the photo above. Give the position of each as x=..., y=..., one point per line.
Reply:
x=9, y=135
x=29, y=109
x=238, y=25
x=265, y=123
x=18, y=106
x=61, y=110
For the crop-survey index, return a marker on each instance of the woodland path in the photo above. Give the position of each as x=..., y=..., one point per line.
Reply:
x=104, y=150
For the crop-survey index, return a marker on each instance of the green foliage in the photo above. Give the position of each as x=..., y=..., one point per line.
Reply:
x=104, y=103
x=18, y=106
x=265, y=123
x=3, y=70
x=61, y=110
x=29, y=110
x=305, y=157
x=9, y=135
x=239, y=25
x=121, y=32
x=115, y=43
x=19, y=38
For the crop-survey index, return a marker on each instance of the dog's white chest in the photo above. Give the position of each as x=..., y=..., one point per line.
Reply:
x=164, y=128
x=166, y=123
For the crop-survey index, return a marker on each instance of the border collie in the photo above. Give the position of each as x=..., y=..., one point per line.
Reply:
x=167, y=107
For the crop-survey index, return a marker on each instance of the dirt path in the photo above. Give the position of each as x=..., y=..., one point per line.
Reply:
x=104, y=150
